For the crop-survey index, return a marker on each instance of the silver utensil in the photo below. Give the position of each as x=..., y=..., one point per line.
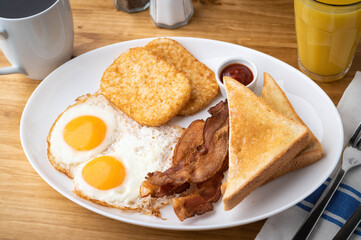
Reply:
x=350, y=226
x=351, y=157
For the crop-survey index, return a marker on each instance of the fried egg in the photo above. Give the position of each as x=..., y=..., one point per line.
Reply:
x=108, y=154
x=113, y=178
x=82, y=131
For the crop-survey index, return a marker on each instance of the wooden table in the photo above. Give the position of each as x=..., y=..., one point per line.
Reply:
x=31, y=209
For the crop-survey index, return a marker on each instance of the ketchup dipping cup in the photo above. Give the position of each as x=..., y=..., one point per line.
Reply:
x=241, y=69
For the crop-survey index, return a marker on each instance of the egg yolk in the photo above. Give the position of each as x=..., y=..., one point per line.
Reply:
x=85, y=132
x=104, y=173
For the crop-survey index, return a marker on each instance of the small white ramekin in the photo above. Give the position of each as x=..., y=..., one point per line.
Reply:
x=239, y=60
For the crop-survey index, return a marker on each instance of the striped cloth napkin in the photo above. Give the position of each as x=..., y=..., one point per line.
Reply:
x=347, y=197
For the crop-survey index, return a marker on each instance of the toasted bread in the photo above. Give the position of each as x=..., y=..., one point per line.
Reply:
x=145, y=87
x=261, y=141
x=202, y=79
x=277, y=99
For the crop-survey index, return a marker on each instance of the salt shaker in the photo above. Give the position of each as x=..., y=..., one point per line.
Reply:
x=171, y=13
x=131, y=6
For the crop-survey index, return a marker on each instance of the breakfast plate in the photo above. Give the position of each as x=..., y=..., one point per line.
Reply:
x=82, y=75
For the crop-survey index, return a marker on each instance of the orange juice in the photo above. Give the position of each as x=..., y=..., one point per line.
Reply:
x=328, y=32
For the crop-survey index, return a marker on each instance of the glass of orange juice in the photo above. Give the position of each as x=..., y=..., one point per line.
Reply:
x=328, y=32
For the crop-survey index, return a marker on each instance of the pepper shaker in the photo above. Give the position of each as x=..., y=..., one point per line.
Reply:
x=171, y=13
x=131, y=6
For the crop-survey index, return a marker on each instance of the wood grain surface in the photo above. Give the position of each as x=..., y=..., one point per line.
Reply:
x=31, y=209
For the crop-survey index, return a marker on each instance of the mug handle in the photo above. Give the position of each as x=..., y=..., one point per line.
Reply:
x=12, y=69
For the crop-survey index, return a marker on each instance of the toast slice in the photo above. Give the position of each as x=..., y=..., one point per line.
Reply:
x=261, y=141
x=277, y=99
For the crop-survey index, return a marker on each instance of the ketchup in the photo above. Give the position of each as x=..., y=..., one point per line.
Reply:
x=239, y=72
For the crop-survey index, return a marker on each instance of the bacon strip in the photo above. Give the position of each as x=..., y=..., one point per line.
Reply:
x=199, y=201
x=197, y=168
x=201, y=157
x=219, y=118
x=147, y=189
x=190, y=142
x=211, y=161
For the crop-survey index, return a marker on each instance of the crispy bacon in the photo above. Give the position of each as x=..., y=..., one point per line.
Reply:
x=199, y=201
x=210, y=162
x=190, y=142
x=200, y=157
x=147, y=189
x=219, y=118
x=198, y=166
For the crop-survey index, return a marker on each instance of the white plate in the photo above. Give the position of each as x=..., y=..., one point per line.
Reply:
x=82, y=75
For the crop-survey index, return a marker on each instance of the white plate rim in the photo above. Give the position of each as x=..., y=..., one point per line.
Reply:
x=182, y=227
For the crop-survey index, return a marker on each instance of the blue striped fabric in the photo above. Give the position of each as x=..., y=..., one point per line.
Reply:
x=342, y=205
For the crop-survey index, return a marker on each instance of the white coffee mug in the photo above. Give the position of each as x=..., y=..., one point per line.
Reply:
x=35, y=45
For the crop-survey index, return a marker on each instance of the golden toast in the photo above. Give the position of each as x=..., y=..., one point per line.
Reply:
x=277, y=99
x=261, y=141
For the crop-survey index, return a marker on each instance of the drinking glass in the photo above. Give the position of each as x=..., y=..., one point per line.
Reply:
x=328, y=32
